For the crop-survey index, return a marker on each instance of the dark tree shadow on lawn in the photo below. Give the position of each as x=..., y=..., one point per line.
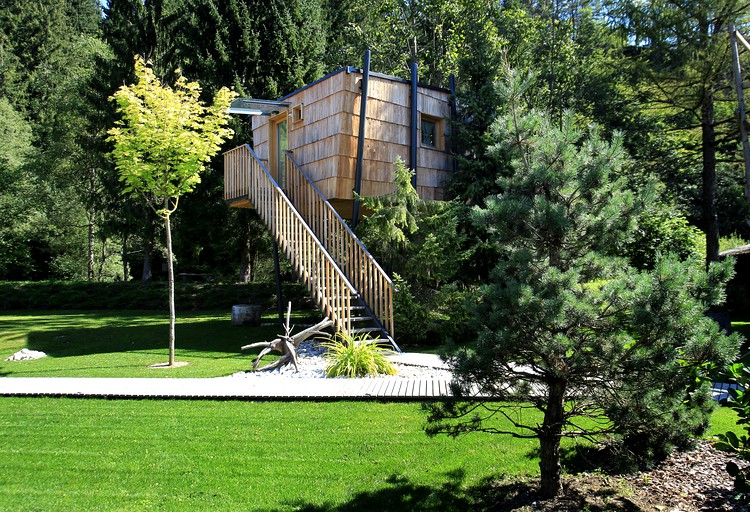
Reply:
x=192, y=334
x=488, y=496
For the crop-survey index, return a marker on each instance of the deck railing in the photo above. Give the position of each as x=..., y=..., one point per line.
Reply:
x=246, y=176
x=361, y=269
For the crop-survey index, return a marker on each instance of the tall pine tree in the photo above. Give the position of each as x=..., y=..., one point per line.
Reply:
x=565, y=325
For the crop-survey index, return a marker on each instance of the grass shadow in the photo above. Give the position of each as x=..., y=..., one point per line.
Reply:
x=191, y=334
x=122, y=344
x=488, y=496
x=401, y=494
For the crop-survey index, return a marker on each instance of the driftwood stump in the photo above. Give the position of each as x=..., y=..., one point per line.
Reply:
x=286, y=344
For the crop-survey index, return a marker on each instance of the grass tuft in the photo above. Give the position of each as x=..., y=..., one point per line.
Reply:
x=356, y=356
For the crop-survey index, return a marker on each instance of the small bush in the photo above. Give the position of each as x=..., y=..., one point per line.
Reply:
x=136, y=295
x=740, y=402
x=731, y=242
x=432, y=316
x=356, y=356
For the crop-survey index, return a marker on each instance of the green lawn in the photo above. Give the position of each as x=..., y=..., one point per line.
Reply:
x=124, y=343
x=74, y=454
x=68, y=454
x=77, y=454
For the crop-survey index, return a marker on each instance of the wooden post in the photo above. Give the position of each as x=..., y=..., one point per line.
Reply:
x=739, y=86
x=361, y=140
x=454, y=118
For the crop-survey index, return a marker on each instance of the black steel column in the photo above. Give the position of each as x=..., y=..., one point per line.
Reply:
x=414, y=121
x=361, y=141
x=277, y=273
x=454, y=118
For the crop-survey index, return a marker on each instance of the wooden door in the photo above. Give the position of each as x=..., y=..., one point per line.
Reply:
x=278, y=147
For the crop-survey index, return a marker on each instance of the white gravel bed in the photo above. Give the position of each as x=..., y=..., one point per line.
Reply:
x=311, y=364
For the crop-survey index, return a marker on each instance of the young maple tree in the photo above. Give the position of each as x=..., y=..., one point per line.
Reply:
x=162, y=142
x=565, y=325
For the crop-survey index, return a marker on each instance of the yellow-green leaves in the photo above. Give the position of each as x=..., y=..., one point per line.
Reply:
x=165, y=136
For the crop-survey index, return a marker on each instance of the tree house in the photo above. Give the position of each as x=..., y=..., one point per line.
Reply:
x=311, y=155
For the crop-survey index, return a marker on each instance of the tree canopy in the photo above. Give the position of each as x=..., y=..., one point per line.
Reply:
x=616, y=64
x=162, y=143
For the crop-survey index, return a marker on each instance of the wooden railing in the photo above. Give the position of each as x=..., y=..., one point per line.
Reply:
x=246, y=176
x=361, y=269
x=236, y=174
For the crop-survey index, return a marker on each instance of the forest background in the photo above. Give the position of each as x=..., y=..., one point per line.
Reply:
x=658, y=72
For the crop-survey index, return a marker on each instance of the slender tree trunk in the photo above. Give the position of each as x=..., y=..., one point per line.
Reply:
x=125, y=258
x=90, y=273
x=709, y=179
x=102, y=260
x=148, y=256
x=170, y=278
x=247, y=265
x=549, y=441
x=246, y=260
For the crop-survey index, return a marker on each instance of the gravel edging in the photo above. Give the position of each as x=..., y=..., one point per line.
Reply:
x=311, y=364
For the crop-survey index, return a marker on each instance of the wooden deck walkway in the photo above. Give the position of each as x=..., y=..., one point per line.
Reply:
x=230, y=388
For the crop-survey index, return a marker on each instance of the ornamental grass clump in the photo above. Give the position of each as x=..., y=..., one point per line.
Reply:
x=356, y=356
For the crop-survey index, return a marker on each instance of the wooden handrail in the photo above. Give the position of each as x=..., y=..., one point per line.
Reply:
x=246, y=176
x=358, y=265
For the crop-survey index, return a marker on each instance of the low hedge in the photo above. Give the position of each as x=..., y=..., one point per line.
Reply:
x=136, y=295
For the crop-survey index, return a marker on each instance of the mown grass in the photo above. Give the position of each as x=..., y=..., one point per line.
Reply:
x=125, y=343
x=75, y=454
x=68, y=454
x=72, y=454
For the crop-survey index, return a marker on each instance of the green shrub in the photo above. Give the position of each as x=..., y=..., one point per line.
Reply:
x=356, y=356
x=136, y=295
x=740, y=403
x=732, y=241
x=661, y=230
x=432, y=316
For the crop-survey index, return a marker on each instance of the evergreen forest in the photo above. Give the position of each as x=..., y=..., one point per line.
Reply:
x=658, y=74
x=577, y=261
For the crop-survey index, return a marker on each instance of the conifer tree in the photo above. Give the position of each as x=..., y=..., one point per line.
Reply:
x=684, y=63
x=565, y=326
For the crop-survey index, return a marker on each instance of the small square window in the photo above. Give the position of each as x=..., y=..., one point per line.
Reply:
x=428, y=133
x=431, y=128
x=297, y=114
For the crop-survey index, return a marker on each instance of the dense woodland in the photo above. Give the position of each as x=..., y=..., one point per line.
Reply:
x=658, y=72
x=599, y=170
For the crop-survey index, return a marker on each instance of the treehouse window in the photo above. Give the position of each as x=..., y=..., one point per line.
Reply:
x=297, y=113
x=431, y=131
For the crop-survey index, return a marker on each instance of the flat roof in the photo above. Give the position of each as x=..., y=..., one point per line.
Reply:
x=251, y=106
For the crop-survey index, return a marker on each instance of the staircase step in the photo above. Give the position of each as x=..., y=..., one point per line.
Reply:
x=381, y=341
x=366, y=329
x=353, y=309
x=361, y=318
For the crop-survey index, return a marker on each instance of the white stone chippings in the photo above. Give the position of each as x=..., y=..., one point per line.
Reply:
x=311, y=365
x=26, y=355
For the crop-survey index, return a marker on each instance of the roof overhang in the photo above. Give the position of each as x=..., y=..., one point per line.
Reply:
x=251, y=107
x=737, y=251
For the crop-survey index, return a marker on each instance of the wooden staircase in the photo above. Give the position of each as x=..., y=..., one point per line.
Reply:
x=345, y=281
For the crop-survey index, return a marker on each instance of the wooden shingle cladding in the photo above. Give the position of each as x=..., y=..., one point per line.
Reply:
x=324, y=140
